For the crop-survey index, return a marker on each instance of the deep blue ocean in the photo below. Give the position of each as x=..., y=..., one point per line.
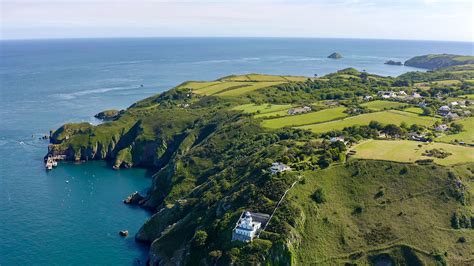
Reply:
x=45, y=83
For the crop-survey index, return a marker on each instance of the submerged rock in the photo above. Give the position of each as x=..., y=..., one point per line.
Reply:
x=335, y=56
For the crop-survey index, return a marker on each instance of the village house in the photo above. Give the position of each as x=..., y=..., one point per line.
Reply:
x=401, y=93
x=416, y=95
x=386, y=94
x=279, y=167
x=444, y=110
x=248, y=226
x=452, y=116
x=299, y=110
x=442, y=127
x=453, y=104
x=336, y=139
x=368, y=98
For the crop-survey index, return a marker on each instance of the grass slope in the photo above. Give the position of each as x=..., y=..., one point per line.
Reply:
x=386, y=117
x=411, y=214
x=304, y=119
x=408, y=151
x=467, y=135
x=261, y=108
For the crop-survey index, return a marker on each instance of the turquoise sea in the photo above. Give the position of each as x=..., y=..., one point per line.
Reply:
x=45, y=220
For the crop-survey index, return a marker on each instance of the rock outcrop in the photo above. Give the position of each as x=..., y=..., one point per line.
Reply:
x=335, y=56
x=393, y=63
x=108, y=115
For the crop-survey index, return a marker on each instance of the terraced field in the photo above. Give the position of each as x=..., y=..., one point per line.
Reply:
x=382, y=105
x=409, y=151
x=305, y=119
x=385, y=117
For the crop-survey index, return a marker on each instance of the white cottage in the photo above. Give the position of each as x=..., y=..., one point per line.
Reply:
x=279, y=167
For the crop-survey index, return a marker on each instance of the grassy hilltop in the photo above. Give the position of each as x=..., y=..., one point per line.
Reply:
x=378, y=196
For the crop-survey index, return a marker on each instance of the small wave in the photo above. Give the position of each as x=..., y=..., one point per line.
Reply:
x=131, y=62
x=220, y=61
x=69, y=96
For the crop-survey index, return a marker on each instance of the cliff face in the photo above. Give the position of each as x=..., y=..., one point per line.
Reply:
x=436, y=61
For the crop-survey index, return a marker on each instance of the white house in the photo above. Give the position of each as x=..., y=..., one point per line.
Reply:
x=300, y=110
x=279, y=167
x=416, y=95
x=249, y=225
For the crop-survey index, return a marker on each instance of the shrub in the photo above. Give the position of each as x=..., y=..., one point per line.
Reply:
x=199, y=239
x=319, y=196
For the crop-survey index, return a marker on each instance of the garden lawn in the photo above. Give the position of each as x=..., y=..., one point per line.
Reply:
x=409, y=151
x=385, y=117
x=307, y=118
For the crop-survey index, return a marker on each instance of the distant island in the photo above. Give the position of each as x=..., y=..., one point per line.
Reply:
x=436, y=61
x=394, y=63
x=335, y=56
x=350, y=168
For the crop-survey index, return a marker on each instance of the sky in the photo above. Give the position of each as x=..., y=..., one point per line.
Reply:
x=449, y=20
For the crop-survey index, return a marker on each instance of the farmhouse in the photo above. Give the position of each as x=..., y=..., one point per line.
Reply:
x=300, y=110
x=442, y=127
x=279, y=167
x=416, y=95
x=444, y=110
x=248, y=226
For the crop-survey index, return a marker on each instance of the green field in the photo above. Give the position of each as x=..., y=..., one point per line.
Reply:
x=467, y=135
x=356, y=221
x=382, y=105
x=408, y=151
x=216, y=87
x=304, y=119
x=415, y=110
x=252, y=86
x=449, y=82
x=385, y=117
x=262, y=108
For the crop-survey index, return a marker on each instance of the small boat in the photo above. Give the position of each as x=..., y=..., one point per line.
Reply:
x=67, y=181
x=55, y=163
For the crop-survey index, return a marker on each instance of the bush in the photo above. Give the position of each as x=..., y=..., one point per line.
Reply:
x=199, y=239
x=319, y=196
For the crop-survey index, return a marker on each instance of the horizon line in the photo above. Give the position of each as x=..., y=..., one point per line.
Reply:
x=228, y=37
